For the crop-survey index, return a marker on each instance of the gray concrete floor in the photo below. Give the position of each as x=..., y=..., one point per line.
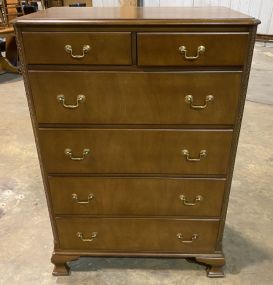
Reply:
x=25, y=233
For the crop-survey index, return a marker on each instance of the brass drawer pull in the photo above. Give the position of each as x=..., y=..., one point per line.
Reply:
x=198, y=198
x=89, y=198
x=68, y=152
x=202, y=154
x=85, y=50
x=80, y=99
x=93, y=236
x=200, y=50
x=189, y=100
x=180, y=237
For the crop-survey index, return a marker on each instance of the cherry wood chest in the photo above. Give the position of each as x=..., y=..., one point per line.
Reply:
x=136, y=114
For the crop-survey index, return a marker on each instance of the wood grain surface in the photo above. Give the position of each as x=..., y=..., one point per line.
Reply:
x=136, y=97
x=137, y=196
x=138, y=234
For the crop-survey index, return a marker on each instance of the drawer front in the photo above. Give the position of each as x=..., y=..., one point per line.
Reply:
x=136, y=97
x=104, y=48
x=137, y=196
x=178, y=49
x=137, y=234
x=135, y=151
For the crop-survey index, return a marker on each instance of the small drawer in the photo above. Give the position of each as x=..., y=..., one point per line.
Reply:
x=192, y=49
x=135, y=151
x=78, y=48
x=135, y=97
x=137, y=235
x=137, y=196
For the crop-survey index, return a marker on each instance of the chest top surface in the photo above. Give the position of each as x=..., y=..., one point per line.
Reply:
x=138, y=16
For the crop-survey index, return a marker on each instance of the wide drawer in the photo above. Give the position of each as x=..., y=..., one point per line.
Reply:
x=136, y=97
x=192, y=49
x=136, y=196
x=135, y=151
x=72, y=48
x=126, y=234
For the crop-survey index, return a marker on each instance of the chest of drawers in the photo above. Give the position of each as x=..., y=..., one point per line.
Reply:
x=136, y=115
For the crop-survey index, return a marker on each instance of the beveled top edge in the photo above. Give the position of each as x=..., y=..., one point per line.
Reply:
x=137, y=16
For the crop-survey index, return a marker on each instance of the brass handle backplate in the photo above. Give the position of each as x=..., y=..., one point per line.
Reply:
x=200, y=50
x=85, y=50
x=69, y=153
x=203, y=153
x=80, y=99
x=93, y=236
x=197, y=199
x=76, y=199
x=189, y=100
x=181, y=238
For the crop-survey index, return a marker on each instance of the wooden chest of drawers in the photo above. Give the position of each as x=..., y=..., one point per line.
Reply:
x=136, y=115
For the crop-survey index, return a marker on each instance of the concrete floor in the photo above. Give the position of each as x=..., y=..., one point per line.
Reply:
x=25, y=233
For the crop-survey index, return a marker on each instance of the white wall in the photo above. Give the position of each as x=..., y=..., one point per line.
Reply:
x=105, y=3
x=261, y=9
